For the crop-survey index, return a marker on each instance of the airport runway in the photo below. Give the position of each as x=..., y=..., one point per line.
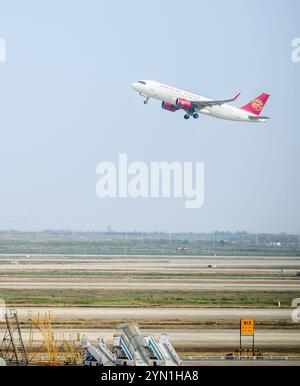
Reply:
x=200, y=340
x=159, y=314
x=152, y=285
x=144, y=263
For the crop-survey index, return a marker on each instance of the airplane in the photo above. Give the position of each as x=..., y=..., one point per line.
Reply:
x=174, y=99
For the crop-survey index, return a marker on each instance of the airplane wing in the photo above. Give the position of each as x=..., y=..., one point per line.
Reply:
x=202, y=104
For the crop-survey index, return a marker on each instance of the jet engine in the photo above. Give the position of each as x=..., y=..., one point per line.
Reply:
x=169, y=107
x=183, y=104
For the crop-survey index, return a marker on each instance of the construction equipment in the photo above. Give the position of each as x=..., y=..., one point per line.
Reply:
x=137, y=342
x=99, y=355
x=131, y=348
x=68, y=351
x=45, y=348
x=123, y=351
x=170, y=354
x=12, y=348
x=42, y=343
x=145, y=350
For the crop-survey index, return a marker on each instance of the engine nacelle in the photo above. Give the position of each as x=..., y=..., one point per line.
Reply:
x=169, y=107
x=183, y=104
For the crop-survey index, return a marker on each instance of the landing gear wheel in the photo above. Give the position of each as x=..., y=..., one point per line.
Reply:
x=186, y=117
x=196, y=116
x=146, y=101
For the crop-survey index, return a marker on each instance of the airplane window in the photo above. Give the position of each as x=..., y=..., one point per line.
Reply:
x=142, y=82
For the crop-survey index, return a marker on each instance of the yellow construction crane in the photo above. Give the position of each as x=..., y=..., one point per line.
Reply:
x=68, y=349
x=42, y=344
x=45, y=348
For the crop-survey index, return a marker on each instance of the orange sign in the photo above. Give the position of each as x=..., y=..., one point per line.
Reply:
x=247, y=326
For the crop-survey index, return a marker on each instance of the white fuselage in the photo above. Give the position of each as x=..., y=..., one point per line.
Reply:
x=170, y=94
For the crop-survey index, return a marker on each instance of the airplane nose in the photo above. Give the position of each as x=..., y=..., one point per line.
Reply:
x=135, y=86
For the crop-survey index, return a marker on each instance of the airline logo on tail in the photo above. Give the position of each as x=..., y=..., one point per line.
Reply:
x=256, y=106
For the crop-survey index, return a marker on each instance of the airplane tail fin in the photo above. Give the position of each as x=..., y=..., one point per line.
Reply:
x=256, y=106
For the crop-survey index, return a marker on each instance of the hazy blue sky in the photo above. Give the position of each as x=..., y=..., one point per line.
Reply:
x=66, y=105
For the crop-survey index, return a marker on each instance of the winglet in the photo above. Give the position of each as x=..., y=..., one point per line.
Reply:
x=236, y=97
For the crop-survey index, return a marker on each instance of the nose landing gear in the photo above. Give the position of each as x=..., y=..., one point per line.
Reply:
x=146, y=101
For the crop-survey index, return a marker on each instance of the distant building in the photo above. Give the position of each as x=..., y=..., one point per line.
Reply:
x=275, y=244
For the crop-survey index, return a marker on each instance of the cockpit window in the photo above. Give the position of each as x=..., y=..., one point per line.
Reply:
x=142, y=82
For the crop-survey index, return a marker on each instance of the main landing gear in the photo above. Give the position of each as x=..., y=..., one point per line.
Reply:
x=195, y=116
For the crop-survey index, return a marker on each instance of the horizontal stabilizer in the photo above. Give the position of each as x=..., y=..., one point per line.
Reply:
x=258, y=118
